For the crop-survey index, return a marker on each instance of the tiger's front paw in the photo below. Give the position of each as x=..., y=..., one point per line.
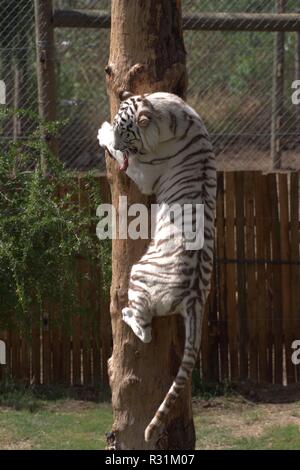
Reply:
x=105, y=135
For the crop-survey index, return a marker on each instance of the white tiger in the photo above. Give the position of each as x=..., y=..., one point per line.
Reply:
x=163, y=146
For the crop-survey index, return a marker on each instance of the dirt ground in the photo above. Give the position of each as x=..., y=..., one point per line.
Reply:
x=254, y=418
x=239, y=419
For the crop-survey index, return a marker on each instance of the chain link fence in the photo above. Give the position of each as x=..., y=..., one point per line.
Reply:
x=231, y=85
x=230, y=73
x=17, y=65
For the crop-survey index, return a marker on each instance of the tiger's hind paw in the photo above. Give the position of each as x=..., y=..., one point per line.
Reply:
x=143, y=333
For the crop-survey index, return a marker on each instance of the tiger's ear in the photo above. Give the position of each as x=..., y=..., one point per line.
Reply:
x=144, y=119
x=124, y=95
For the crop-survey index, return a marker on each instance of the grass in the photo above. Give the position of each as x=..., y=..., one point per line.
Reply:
x=63, y=425
x=57, y=419
x=210, y=435
x=276, y=438
x=233, y=423
x=53, y=417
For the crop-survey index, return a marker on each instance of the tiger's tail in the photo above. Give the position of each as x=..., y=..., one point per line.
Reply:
x=193, y=320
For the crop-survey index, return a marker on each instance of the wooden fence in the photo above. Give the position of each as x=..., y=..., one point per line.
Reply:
x=67, y=351
x=252, y=316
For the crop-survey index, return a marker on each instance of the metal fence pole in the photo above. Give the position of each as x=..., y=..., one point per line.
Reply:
x=46, y=67
x=297, y=77
x=278, y=93
x=214, y=21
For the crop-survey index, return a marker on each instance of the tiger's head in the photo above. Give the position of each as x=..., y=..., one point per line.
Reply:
x=135, y=125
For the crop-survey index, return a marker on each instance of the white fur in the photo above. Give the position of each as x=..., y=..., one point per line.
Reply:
x=177, y=164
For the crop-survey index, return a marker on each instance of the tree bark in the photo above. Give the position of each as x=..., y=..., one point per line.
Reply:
x=146, y=54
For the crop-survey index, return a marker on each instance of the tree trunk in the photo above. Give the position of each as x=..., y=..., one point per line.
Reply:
x=146, y=54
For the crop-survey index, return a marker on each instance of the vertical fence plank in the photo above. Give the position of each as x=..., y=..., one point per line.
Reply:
x=76, y=350
x=66, y=331
x=267, y=227
x=96, y=286
x=213, y=333
x=276, y=286
x=295, y=268
x=241, y=274
x=231, y=275
x=57, y=373
x=15, y=354
x=96, y=336
x=46, y=346
x=251, y=275
x=84, y=293
x=204, y=344
x=105, y=321
x=220, y=290
x=36, y=354
x=25, y=359
x=76, y=320
x=66, y=354
x=285, y=273
x=106, y=339
x=96, y=353
x=87, y=355
x=261, y=278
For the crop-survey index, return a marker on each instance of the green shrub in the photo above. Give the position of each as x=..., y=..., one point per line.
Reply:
x=43, y=232
x=17, y=396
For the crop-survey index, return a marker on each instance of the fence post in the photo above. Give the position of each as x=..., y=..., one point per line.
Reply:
x=278, y=92
x=297, y=77
x=46, y=67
